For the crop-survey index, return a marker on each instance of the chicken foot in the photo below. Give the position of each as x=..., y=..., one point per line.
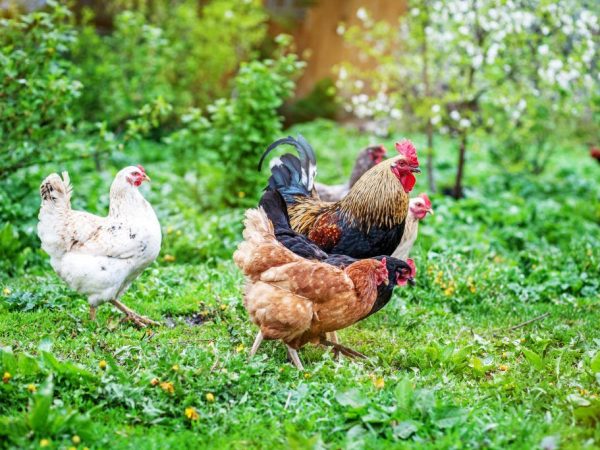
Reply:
x=346, y=351
x=137, y=319
x=333, y=337
x=92, y=313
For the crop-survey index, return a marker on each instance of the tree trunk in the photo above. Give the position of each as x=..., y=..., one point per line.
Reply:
x=429, y=128
x=430, y=176
x=457, y=192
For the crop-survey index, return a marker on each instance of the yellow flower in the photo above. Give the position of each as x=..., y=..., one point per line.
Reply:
x=504, y=355
x=223, y=307
x=583, y=391
x=76, y=440
x=210, y=397
x=169, y=229
x=240, y=348
x=168, y=387
x=154, y=381
x=307, y=375
x=102, y=364
x=44, y=443
x=503, y=367
x=31, y=388
x=379, y=382
x=522, y=340
x=72, y=448
x=175, y=367
x=449, y=291
x=6, y=377
x=6, y=291
x=191, y=413
x=281, y=369
x=169, y=258
x=241, y=194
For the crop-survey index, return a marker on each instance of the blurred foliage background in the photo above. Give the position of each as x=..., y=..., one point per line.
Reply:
x=206, y=85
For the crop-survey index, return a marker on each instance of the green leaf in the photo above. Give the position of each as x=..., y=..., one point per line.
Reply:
x=28, y=365
x=595, y=364
x=405, y=429
x=534, y=359
x=40, y=408
x=352, y=398
x=9, y=361
x=404, y=394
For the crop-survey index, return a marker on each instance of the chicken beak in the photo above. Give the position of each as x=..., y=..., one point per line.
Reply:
x=430, y=211
x=415, y=170
x=147, y=178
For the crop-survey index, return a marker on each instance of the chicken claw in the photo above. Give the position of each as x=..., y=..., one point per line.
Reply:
x=346, y=351
x=138, y=320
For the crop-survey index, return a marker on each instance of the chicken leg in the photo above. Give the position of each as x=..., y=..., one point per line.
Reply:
x=257, y=341
x=293, y=354
x=92, y=313
x=140, y=321
x=333, y=337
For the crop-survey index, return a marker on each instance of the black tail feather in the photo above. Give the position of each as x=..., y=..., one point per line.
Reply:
x=293, y=176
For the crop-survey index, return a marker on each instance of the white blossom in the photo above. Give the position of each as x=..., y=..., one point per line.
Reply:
x=362, y=14
x=435, y=108
x=455, y=115
x=464, y=123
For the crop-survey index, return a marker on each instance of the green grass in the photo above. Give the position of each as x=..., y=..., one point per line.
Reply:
x=445, y=369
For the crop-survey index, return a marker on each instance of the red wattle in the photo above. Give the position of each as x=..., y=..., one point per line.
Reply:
x=408, y=181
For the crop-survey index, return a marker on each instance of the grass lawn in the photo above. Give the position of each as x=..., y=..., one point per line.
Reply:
x=447, y=367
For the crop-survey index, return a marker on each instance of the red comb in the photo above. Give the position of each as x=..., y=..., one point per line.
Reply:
x=139, y=166
x=413, y=269
x=425, y=199
x=408, y=150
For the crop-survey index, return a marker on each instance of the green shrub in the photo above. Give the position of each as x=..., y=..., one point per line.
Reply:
x=37, y=87
x=238, y=129
x=122, y=71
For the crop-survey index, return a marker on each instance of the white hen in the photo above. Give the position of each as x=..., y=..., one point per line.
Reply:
x=100, y=256
x=418, y=207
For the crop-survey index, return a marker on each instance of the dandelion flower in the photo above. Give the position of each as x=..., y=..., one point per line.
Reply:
x=168, y=387
x=191, y=413
x=503, y=367
x=76, y=440
x=44, y=442
x=31, y=388
x=169, y=258
x=154, y=381
x=240, y=348
x=307, y=375
x=379, y=382
x=102, y=364
x=6, y=291
x=210, y=397
x=6, y=377
x=175, y=368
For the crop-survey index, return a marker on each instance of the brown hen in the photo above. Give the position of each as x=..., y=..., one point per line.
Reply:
x=297, y=300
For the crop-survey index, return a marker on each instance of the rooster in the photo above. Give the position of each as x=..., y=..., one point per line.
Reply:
x=369, y=221
x=100, y=256
x=299, y=300
x=418, y=208
x=369, y=157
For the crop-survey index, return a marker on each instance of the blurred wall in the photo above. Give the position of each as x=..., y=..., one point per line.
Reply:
x=314, y=27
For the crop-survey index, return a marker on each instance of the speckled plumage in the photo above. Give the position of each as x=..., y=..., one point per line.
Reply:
x=98, y=256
